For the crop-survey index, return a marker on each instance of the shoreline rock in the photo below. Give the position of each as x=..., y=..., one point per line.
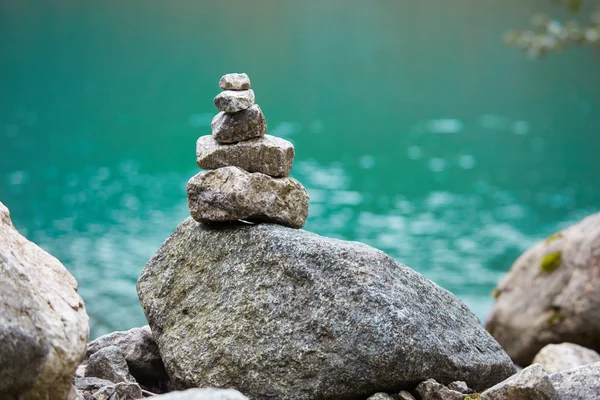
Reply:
x=43, y=323
x=550, y=295
x=283, y=313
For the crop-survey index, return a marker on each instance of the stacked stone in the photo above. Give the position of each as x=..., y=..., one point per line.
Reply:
x=248, y=175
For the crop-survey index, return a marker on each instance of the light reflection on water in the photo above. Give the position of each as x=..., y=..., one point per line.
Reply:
x=454, y=239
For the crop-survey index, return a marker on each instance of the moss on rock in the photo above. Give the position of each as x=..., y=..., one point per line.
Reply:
x=551, y=262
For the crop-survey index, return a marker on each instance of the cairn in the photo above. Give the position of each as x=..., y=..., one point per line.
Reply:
x=248, y=170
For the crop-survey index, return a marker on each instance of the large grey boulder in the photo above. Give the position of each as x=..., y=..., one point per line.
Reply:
x=580, y=383
x=239, y=126
x=203, y=394
x=283, y=313
x=141, y=354
x=550, y=295
x=531, y=383
x=268, y=154
x=229, y=194
x=234, y=100
x=43, y=323
x=234, y=82
x=560, y=357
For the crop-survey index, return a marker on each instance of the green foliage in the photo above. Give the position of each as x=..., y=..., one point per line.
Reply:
x=495, y=293
x=551, y=35
x=551, y=261
x=474, y=396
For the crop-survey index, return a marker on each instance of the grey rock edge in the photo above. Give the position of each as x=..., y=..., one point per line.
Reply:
x=141, y=354
x=234, y=82
x=283, y=313
x=239, y=126
x=43, y=323
x=267, y=154
x=550, y=294
x=581, y=383
x=432, y=390
x=203, y=394
x=109, y=363
x=530, y=383
x=234, y=100
x=560, y=357
x=229, y=194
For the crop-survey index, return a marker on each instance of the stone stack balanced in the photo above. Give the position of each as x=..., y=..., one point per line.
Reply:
x=249, y=170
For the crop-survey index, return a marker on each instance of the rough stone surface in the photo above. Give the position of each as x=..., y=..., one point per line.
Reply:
x=234, y=100
x=432, y=390
x=580, y=383
x=43, y=323
x=109, y=363
x=90, y=384
x=460, y=386
x=560, y=357
x=229, y=194
x=203, y=394
x=381, y=396
x=141, y=353
x=268, y=154
x=239, y=126
x=287, y=314
x=234, y=82
x=119, y=391
x=531, y=383
x=551, y=294
x=404, y=395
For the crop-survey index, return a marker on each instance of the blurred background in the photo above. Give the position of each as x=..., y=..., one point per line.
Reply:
x=417, y=130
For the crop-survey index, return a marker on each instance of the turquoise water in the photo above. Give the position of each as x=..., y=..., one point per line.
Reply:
x=416, y=130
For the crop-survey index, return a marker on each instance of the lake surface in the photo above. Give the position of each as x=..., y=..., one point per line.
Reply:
x=416, y=130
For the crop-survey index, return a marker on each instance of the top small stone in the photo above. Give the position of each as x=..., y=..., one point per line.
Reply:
x=234, y=82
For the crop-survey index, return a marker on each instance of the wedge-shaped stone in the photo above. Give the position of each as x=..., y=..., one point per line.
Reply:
x=229, y=194
x=234, y=82
x=234, y=100
x=239, y=126
x=267, y=154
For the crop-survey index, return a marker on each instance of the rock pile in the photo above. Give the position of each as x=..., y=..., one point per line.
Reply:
x=249, y=170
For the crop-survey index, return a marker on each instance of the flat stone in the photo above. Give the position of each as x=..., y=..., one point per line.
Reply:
x=230, y=194
x=119, y=391
x=531, y=383
x=460, y=386
x=239, y=126
x=404, y=395
x=109, y=363
x=268, y=154
x=234, y=100
x=550, y=295
x=203, y=394
x=580, y=383
x=563, y=356
x=380, y=396
x=432, y=390
x=282, y=313
x=234, y=82
x=44, y=327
